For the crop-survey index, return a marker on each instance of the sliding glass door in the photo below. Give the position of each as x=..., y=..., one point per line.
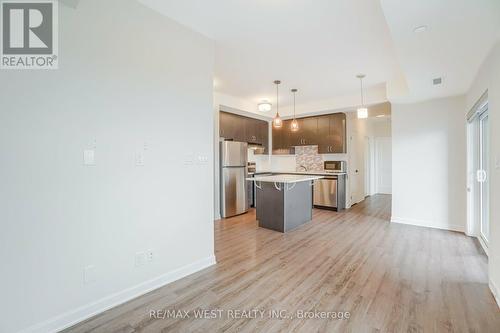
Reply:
x=483, y=176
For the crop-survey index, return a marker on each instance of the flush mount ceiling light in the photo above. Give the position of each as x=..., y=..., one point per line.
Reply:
x=277, y=122
x=419, y=29
x=264, y=106
x=362, y=110
x=294, y=127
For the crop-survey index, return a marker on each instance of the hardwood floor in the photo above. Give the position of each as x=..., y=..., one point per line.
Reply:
x=389, y=277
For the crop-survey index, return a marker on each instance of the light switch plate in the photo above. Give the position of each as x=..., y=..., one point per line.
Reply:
x=140, y=259
x=89, y=157
x=139, y=159
x=89, y=274
x=202, y=159
x=188, y=159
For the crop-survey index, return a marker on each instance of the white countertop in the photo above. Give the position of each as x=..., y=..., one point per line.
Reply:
x=316, y=173
x=285, y=178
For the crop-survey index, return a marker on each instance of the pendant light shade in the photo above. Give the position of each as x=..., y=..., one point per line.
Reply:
x=294, y=127
x=362, y=110
x=277, y=121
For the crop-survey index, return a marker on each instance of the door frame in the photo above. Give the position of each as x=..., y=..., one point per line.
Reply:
x=473, y=186
x=368, y=166
x=484, y=115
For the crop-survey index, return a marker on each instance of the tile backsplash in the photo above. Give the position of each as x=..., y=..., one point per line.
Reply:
x=307, y=156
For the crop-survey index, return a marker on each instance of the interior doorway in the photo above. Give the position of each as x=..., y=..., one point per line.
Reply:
x=478, y=133
x=368, y=167
x=383, y=165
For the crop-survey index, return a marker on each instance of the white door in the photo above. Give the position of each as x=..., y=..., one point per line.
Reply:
x=383, y=165
x=483, y=177
x=356, y=181
x=368, y=161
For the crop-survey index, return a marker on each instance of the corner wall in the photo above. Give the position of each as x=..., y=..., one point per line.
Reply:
x=130, y=81
x=429, y=163
x=488, y=79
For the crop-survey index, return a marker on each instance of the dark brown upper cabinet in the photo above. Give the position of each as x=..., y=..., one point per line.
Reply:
x=281, y=138
x=232, y=126
x=278, y=138
x=263, y=136
x=328, y=132
x=239, y=128
x=338, y=133
x=332, y=134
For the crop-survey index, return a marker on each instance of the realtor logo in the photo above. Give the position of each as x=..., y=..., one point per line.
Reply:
x=29, y=34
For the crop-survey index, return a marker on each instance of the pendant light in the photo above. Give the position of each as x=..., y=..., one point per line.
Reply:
x=277, y=122
x=294, y=127
x=362, y=110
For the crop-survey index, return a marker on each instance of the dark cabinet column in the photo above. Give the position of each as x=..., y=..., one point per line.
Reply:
x=277, y=139
x=338, y=133
x=323, y=135
x=252, y=131
x=309, y=131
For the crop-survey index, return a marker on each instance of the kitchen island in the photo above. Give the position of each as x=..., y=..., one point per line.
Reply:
x=284, y=202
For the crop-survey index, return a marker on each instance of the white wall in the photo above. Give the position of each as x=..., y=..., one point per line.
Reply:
x=488, y=78
x=429, y=163
x=130, y=81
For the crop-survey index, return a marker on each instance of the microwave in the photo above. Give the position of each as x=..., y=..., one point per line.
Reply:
x=334, y=166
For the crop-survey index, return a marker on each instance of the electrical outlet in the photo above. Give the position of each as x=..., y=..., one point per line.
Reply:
x=89, y=274
x=150, y=255
x=140, y=259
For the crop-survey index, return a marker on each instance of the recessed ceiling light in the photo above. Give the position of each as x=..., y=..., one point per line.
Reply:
x=419, y=29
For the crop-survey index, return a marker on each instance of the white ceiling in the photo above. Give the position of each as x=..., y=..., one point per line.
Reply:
x=460, y=35
x=319, y=46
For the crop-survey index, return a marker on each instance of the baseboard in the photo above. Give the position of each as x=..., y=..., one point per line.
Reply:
x=427, y=224
x=483, y=245
x=495, y=291
x=75, y=316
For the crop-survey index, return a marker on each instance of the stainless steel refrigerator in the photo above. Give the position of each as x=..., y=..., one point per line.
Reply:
x=233, y=166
